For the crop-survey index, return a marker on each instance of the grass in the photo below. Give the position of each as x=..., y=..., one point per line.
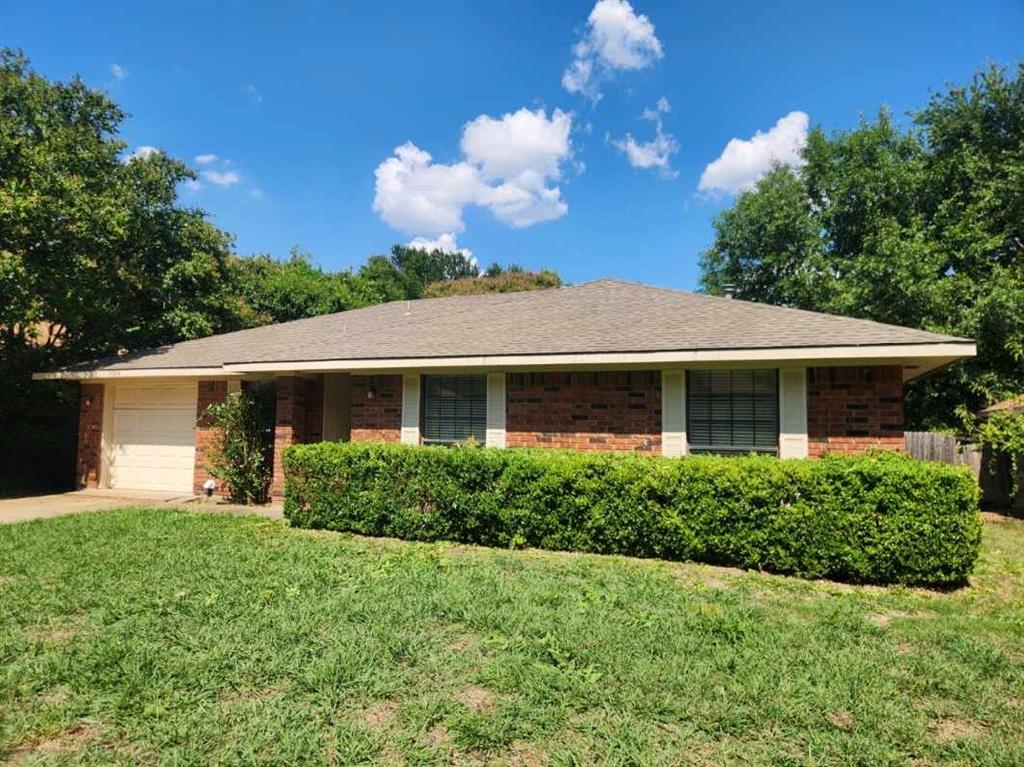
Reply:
x=145, y=636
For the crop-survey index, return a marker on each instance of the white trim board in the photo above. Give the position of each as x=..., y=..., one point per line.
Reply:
x=925, y=357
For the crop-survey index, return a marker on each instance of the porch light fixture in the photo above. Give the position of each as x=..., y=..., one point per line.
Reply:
x=371, y=392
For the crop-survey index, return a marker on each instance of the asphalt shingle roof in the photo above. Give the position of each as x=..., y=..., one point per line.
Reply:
x=602, y=316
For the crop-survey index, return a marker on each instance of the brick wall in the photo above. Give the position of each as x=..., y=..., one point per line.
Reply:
x=853, y=409
x=289, y=424
x=377, y=418
x=90, y=435
x=210, y=392
x=585, y=411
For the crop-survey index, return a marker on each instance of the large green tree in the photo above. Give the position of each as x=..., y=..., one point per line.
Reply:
x=922, y=226
x=96, y=255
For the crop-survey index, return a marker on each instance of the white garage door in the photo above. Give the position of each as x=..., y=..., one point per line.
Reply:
x=153, y=437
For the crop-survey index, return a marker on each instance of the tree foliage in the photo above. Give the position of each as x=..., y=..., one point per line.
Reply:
x=241, y=455
x=921, y=226
x=508, y=281
x=279, y=291
x=96, y=256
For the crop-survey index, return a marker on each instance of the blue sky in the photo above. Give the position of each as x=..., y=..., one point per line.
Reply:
x=304, y=105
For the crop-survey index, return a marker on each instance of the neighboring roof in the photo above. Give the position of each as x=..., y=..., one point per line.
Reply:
x=596, y=317
x=1014, y=404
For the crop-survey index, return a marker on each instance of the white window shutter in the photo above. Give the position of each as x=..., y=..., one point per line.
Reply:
x=673, y=413
x=411, y=409
x=495, y=410
x=792, y=412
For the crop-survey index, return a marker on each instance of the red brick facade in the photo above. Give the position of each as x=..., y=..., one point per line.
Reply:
x=210, y=392
x=376, y=408
x=618, y=410
x=853, y=409
x=90, y=435
x=298, y=419
x=849, y=410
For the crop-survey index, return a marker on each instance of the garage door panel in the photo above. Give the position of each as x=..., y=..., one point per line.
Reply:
x=153, y=443
x=156, y=396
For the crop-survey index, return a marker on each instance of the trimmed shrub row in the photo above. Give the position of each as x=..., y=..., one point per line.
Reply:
x=875, y=519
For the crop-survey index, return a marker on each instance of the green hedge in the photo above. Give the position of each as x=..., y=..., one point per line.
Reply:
x=873, y=519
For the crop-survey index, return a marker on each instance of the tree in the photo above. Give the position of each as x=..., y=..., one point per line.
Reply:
x=918, y=227
x=420, y=267
x=503, y=282
x=279, y=291
x=96, y=256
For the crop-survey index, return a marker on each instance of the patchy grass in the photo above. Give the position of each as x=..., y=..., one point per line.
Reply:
x=149, y=636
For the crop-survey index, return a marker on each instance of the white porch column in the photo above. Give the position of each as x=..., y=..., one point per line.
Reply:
x=673, y=413
x=793, y=412
x=495, y=410
x=411, y=409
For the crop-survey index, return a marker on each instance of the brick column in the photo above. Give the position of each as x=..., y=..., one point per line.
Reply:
x=209, y=393
x=90, y=435
x=289, y=424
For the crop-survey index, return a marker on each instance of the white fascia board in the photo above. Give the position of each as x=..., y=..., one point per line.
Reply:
x=856, y=355
x=110, y=375
x=932, y=355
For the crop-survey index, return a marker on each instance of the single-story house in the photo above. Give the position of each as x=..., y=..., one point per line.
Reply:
x=606, y=365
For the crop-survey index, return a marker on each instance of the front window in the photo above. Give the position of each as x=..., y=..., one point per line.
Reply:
x=454, y=408
x=732, y=411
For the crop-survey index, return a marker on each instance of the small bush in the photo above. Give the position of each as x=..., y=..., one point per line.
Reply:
x=239, y=453
x=873, y=519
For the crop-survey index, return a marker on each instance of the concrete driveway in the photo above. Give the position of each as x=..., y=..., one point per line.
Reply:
x=78, y=501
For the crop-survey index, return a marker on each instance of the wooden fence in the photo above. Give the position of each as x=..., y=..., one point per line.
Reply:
x=996, y=486
x=944, y=448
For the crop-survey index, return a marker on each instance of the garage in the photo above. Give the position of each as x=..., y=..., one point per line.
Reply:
x=152, y=436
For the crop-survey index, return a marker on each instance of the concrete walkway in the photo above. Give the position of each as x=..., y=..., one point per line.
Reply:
x=78, y=501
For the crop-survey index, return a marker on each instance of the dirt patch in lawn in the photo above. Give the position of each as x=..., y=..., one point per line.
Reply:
x=379, y=716
x=52, y=635
x=76, y=737
x=476, y=699
x=436, y=737
x=949, y=729
x=842, y=720
x=885, y=618
x=522, y=754
x=461, y=643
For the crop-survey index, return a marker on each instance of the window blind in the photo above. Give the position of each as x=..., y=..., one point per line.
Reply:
x=732, y=410
x=454, y=408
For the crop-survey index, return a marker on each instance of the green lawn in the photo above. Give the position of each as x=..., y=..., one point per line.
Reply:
x=146, y=636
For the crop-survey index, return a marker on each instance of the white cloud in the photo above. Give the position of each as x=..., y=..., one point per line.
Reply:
x=142, y=153
x=414, y=195
x=656, y=153
x=119, y=72
x=508, y=162
x=256, y=193
x=254, y=94
x=192, y=185
x=446, y=242
x=743, y=162
x=225, y=178
x=518, y=142
x=617, y=38
x=206, y=159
